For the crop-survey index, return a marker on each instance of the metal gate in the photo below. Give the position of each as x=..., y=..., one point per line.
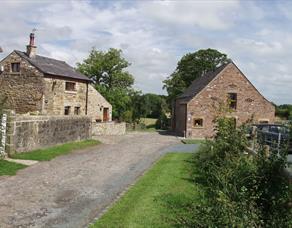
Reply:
x=3, y=128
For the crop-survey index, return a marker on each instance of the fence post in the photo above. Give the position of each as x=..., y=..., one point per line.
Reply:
x=279, y=143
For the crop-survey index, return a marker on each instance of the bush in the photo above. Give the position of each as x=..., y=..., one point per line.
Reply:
x=163, y=122
x=238, y=190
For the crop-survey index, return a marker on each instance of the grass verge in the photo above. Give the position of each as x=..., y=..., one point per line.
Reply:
x=144, y=205
x=9, y=168
x=192, y=141
x=52, y=152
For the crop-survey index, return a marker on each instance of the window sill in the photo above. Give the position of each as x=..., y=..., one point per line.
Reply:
x=197, y=127
x=70, y=92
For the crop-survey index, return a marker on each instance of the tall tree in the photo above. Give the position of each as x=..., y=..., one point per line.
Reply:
x=190, y=67
x=107, y=71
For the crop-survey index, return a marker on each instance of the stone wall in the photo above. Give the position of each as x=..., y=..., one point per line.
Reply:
x=108, y=128
x=96, y=105
x=33, y=132
x=23, y=90
x=56, y=97
x=212, y=100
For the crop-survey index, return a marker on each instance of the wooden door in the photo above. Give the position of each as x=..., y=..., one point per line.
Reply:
x=105, y=114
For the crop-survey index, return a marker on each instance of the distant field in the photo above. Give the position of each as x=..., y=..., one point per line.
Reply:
x=149, y=122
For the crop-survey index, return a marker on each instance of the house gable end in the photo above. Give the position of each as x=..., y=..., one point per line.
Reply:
x=233, y=66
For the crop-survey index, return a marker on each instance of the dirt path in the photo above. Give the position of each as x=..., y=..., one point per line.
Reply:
x=70, y=191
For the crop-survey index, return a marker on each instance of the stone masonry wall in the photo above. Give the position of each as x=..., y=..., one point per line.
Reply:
x=96, y=104
x=108, y=128
x=23, y=90
x=56, y=97
x=207, y=104
x=33, y=132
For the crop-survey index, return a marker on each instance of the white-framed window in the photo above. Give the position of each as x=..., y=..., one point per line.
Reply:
x=198, y=122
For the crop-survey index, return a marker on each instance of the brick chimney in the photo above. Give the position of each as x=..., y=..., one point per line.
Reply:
x=31, y=48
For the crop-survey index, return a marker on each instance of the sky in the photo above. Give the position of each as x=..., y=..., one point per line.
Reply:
x=154, y=35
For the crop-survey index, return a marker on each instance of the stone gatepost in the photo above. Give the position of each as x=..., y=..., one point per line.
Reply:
x=7, y=125
x=3, y=127
x=10, y=132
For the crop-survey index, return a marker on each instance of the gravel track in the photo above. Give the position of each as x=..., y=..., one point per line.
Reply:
x=72, y=190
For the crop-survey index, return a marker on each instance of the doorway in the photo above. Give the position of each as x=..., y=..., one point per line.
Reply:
x=105, y=114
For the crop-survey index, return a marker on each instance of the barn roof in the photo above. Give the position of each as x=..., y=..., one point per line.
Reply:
x=200, y=83
x=53, y=67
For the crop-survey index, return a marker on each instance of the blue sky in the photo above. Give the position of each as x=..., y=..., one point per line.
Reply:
x=154, y=35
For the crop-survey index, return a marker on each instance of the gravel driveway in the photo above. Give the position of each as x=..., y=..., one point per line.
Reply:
x=72, y=190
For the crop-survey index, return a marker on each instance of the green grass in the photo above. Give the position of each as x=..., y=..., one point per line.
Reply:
x=52, y=152
x=144, y=205
x=149, y=122
x=192, y=141
x=9, y=168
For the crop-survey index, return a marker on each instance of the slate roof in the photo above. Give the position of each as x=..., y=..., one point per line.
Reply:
x=53, y=67
x=200, y=83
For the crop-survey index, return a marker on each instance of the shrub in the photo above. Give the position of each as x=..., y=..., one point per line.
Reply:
x=238, y=190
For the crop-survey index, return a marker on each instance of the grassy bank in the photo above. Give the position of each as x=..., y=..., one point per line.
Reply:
x=9, y=168
x=144, y=205
x=52, y=152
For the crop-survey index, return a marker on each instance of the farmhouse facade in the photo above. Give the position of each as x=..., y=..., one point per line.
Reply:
x=225, y=91
x=31, y=83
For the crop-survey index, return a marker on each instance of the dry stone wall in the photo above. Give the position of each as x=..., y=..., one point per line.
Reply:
x=33, y=132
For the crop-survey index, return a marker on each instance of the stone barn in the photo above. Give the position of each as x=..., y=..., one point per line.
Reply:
x=225, y=91
x=40, y=85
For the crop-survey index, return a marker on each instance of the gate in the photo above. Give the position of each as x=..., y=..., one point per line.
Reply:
x=3, y=128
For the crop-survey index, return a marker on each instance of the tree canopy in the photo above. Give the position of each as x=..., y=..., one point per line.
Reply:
x=190, y=67
x=284, y=111
x=107, y=71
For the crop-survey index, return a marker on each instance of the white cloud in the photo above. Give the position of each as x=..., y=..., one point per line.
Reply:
x=213, y=15
x=155, y=34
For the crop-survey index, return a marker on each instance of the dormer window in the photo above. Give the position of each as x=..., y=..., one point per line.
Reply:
x=15, y=67
x=70, y=86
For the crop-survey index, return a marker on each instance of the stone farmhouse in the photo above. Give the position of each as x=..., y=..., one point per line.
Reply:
x=36, y=84
x=225, y=91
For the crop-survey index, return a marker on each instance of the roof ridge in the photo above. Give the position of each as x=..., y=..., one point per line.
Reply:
x=42, y=56
x=52, y=66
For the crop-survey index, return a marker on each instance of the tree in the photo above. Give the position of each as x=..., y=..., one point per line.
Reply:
x=153, y=105
x=190, y=67
x=107, y=71
x=284, y=111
